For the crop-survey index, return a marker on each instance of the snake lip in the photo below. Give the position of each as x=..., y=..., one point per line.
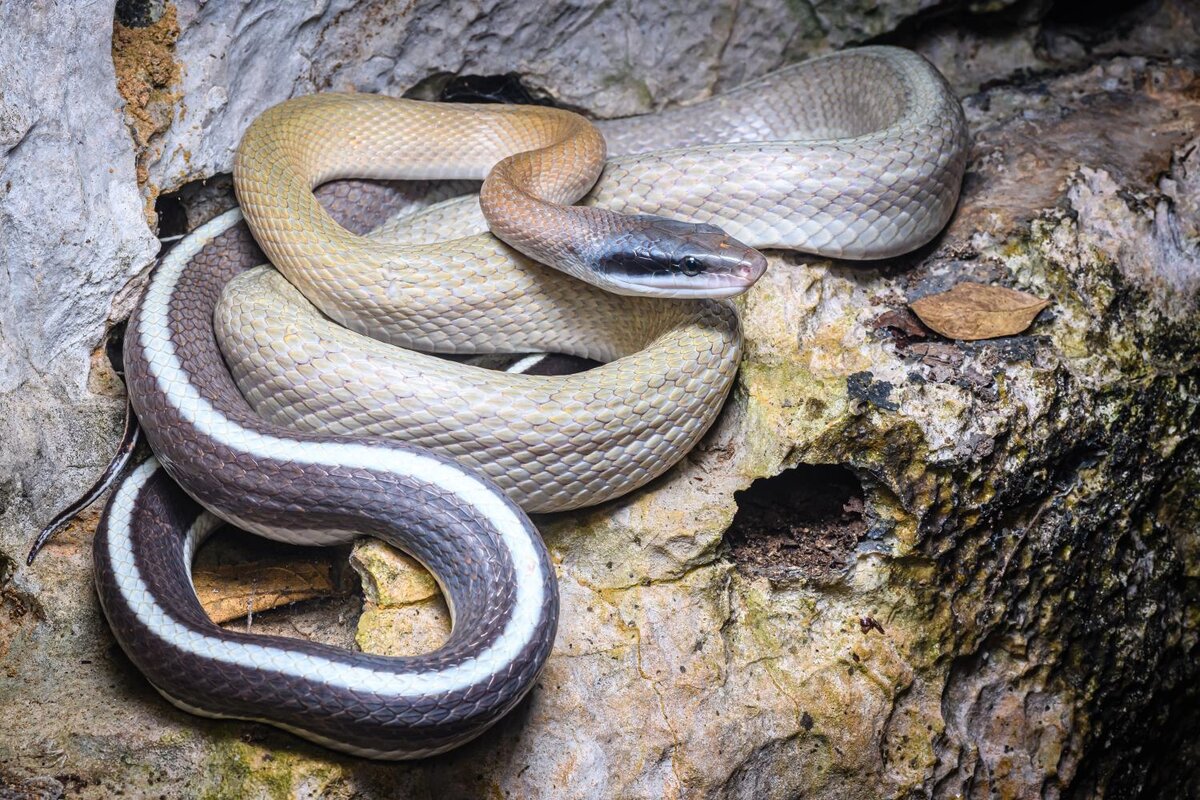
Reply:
x=685, y=289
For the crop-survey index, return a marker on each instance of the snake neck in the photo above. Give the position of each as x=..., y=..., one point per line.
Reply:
x=625, y=254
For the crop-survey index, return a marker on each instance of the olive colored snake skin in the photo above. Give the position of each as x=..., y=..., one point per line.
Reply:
x=857, y=155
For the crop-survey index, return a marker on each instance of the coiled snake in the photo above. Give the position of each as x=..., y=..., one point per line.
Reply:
x=856, y=155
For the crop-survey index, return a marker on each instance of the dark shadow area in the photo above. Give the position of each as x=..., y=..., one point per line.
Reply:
x=1001, y=20
x=1101, y=17
x=446, y=87
x=545, y=364
x=114, y=347
x=803, y=523
x=172, y=215
x=252, y=571
x=507, y=88
x=138, y=13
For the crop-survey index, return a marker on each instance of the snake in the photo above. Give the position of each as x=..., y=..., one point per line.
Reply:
x=275, y=399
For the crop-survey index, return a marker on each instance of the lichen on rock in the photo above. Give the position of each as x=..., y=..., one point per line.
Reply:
x=148, y=77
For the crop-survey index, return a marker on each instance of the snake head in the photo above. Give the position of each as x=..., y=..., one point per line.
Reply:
x=661, y=257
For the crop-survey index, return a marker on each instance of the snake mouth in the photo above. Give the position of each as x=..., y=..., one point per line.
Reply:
x=682, y=287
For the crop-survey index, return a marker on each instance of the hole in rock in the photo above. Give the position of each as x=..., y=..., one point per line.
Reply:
x=139, y=13
x=803, y=523
x=172, y=215
x=114, y=347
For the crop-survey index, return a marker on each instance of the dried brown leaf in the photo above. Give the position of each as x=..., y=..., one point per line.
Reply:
x=902, y=322
x=971, y=311
x=230, y=591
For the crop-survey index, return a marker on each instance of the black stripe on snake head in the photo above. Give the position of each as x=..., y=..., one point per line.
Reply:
x=663, y=257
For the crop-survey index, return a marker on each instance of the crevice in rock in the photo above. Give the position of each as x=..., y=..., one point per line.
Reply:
x=999, y=20
x=139, y=13
x=193, y=204
x=447, y=87
x=508, y=88
x=172, y=215
x=114, y=347
x=106, y=367
x=148, y=79
x=803, y=523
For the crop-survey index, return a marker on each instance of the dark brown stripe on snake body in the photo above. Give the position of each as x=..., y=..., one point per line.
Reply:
x=432, y=522
x=163, y=517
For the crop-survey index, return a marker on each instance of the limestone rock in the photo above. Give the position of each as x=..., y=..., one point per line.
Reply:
x=71, y=234
x=899, y=566
x=611, y=59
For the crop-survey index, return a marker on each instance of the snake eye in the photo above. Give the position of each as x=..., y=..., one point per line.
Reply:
x=691, y=266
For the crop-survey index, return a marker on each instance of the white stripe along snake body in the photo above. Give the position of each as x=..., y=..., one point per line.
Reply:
x=857, y=154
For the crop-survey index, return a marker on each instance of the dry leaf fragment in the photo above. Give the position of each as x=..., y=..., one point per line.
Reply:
x=230, y=591
x=971, y=311
x=903, y=324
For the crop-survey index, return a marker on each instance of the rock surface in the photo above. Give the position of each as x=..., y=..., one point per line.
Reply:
x=72, y=234
x=612, y=59
x=899, y=566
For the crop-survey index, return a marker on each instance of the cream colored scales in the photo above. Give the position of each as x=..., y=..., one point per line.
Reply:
x=858, y=154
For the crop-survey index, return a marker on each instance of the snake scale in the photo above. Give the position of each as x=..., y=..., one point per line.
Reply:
x=284, y=417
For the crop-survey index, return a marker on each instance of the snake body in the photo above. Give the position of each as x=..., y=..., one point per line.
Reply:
x=858, y=155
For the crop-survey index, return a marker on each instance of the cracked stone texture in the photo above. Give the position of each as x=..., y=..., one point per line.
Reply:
x=1003, y=604
x=612, y=59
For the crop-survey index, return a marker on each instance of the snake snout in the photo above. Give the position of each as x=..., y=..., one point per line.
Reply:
x=661, y=257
